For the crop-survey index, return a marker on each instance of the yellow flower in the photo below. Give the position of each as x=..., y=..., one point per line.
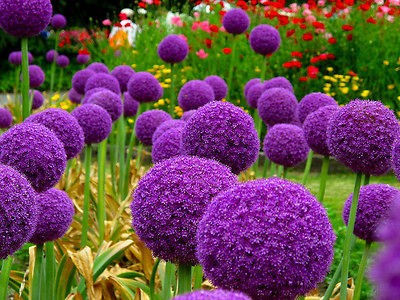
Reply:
x=66, y=104
x=354, y=87
x=329, y=69
x=183, y=81
x=386, y=62
x=178, y=111
x=365, y=93
x=156, y=67
x=398, y=98
x=155, y=105
x=326, y=89
x=257, y=70
x=161, y=102
x=391, y=86
x=342, y=84
x=344, y=90
x=135, y=52
x=55, y=97
x=355, y=78
x=338, y=76
x=157, y=75
x=133, y=66
x=168, y=80
x=327, y=78
x=130, y=120
x=166, y=71
x=164, y=85
x=332, y=94
x=327, y=84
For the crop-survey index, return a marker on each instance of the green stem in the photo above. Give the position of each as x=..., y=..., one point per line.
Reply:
x=324, y=176
x=17, y=100
x=272, y=169
x=231, y=67
x=184, y=278
x=152, y=283
x=284, y=172
x=366, y=179
x=50, y=270
x=113, y=157
x=263, y=68
x=101, y=192
x=198, y=277
x=5, y=276
x=86, y=196
x=67, y=171
x=121, y=153
x=267, y=164
x=60, y=79
x=139, y=155
x=167, y=282
x=349, y=233
x=172, y=99
x=53, y=69
x=361, y=270
x=26, y=106
x=35, y=288
x=308, y=167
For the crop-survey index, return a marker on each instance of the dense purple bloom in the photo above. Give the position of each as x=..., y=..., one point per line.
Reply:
x=315, y=126
x=58, y=21
x=396, y=158
x=194, y=94
x=269, y=238
x=98, y=67
x=37, y=99
x=277, y=105
x=65, y=126
x=173, y=49
x=36, y=152
x=167, y=145
x=6, y=118
x=91, y=92
x=312, y=102
x=218, y=85
x=249, y=84
x=25, y=18
x=95, y=122
x=18, y=211
x=147, y=123
x=80, y=78
x=62, y=61
x=187, y=114
x=170, y=201
x=36, y=76
x=212, y=295
x=254, y=93
x=164, y=126
x=123, y=73
x=373, y=207
x=108, y=100
x=15, y=58
x=144, y=87
x=236, y=21
x=103, y=80
x=264, y=39
x=51, y=55
x=74, y=96
x=224, y=132
x=286, y=145
x=131, y=106
x=361, y=135
x=278, y=82
x=82, y=58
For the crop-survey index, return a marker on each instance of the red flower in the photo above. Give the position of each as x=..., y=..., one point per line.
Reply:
x=208, y=43
x=292, y=64
x=307, y=36
x=84, y=51
x=157, y=2
x=332, y=40
x=214, y=28
x=303, y=79
x=227, y=50
x=347, y=27
x=142, y=4
x=283, y=20
x=303, y=26
x=315, y=59
x=297, y=54
x=290, y=32
x=349, y=37
x=312, y=71
x=122, y=16
x=365, y=6
x=318, y=25
x=371, y=20
x=352, y=73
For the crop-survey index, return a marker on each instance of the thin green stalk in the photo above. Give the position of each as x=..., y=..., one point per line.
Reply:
x=152, y=282
x=324, y=177
x=272, y=169
x=35, y=288
x=284, y=172
x=172, y=99
x=263, y=68
x=60, y=79
x=184, y=278
x=231, y=67
x=198, y=277
x=50, y=271
x=67, y=171
x=5, y=276
x=366, y=179
x=167, y=282
x=53, y=68
x=113, y=157
x=349, y=233
x=139, y=155
x=86, y=196
x=26, y=106
x=267, y=164
x=308, y=167
x=361, y=270
x=121, y=133
x=101, y=192
x=17, y=100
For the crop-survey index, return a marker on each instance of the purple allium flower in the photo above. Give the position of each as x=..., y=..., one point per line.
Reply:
x=98, y=67
x=91, y=92
x=62, y=61
x=315, y=126
x=167, y=145
x=103, y=80
x=224, y=132
x=15, y=58
x=213, y=295
x=37, y=99
x=277, y=105
x=131, y=106
x=249, y=84
x=194, y=94
x=6, y=118
x=18, y=211
x=286, y=145
x=373, y=207
x=58, y=21
x=269, y=238
x=51, y=55
x=74, y=96
x=236, y=21
x=108, y=100
x=218, y=85
x=187, y=114
x=312, y=102
x=163, y=127
x=170, y=201
x=278, y=82
x=95, y=122
x=264, y=39
x=144, y=87
x=79, y=80
x=36, y=152
x=254, y=93
x=147, y=123
x=361, y=135
x=396, y=158
x=123, y=73
x=65, y=126
x=36, y=76
x=82, y=58
x=173, y=49
x=25, y=18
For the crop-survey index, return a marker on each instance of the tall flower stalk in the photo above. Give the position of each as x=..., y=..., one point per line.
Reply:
x=26, y=102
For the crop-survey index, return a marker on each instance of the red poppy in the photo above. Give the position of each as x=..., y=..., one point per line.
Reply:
x=142, y=4
x=365, y=6
x=292, y=64
x=83, y=52
x=290, y=32
x=315, y=59
x=157, y=2
x=227, y=50
x=222, y=13
x=283, y=20
x=318, y=25
x=352, y=73
x=371, y=20
x=303, y=26
x=349, y=37
x=208, y=43
x=303, y=79
x=214, y=28
x=332, y=40
x=312, y=71
x=297, y=54
x=347, y=27
x=307, y=36
x=122, y=16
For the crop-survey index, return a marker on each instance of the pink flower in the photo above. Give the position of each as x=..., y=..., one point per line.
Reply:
x=183, y=37
x=384, y=9
x=196, y=15
x=205, y=26
x=201, y=54
x=106, y=22
x=177, y=21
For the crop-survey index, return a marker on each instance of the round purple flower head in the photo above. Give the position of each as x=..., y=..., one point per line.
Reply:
x=213, y=295
x=170, y=201
x=236, y=21
x=36, y=152
x=269, y=238
x=224, y=132
x=167, y=145
x=396, y=158
x=74, y=96
x=144, y=87
x=312, y=102
x=361, y=135
x=91, y=92
x=264, y=39
x=58, y=21
x=6, y=118
x=51, y=55
x=18, y=211
x=254, y=93
x=80, y=78
x=56, y=211
x=249, y=84
x=131, y=106
x=315, y=126
x=218, y=85
x=123, y=73
x=277, y=105
x=279, y=82
x=15, y=58
x=108, y=100
x=103, y=80
x=194, y=94
x=37, y=100
x=167, y=125
x=25, y=18
x=147, y=123
x=82, y=59
x=62, y=61
x=65, y=126
x=95, y=122
x=98, y=67
x=36, y=76
x=187, y=114
x=173, y=49
x=373, y=207
x=286, y=145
